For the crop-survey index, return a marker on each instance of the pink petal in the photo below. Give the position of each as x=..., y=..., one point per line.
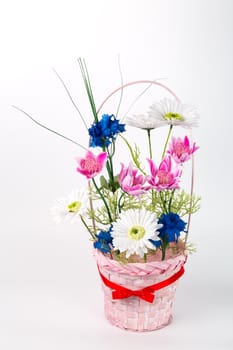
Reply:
x=90, y=155
x=84, y=172
x=165, y=165
x=186, y=142
x=101, y=158
x=122, y=173
x=153, y=169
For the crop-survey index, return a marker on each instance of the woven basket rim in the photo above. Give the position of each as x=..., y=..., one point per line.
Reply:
x=142, y=269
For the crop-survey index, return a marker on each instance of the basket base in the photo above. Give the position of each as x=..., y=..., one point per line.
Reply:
x=138, y=324
x=119, y=325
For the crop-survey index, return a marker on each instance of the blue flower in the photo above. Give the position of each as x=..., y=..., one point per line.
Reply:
x=103, y=132
x=104, y=241
x=172, y=226
x=157, y=244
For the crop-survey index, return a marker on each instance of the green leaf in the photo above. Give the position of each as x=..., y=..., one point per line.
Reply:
x=103, y=182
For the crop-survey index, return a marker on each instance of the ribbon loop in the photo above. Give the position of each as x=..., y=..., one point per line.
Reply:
x=147, y=293
x=122, y=294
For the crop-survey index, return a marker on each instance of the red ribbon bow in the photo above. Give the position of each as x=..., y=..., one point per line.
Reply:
x=147, y=293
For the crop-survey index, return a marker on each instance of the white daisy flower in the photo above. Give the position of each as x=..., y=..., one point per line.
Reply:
x=172, y=112
x=71, y=207
x=141, y=121
x=133, y=230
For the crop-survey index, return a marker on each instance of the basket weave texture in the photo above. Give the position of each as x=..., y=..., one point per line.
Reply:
x=134, y=313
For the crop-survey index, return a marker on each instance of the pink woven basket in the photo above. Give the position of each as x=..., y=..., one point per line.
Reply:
x=133, y=313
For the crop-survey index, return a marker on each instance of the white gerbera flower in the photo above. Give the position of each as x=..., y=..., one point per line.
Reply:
x=172, y=112
x=133, y=230
x=71, y=207
x=141, y=121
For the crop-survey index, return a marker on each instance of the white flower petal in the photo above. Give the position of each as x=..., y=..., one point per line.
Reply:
x=135, y=217
x=142, y=121
x=60, y=211
x=165, y=106
x=156, y=116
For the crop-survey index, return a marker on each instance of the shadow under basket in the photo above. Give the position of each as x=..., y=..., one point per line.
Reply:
x=139, y=296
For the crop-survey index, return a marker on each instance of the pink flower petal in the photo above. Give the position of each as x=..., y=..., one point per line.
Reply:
x=130, y=182
x=91, y=165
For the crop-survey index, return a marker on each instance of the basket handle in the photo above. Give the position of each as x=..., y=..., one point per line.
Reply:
x=152, y=82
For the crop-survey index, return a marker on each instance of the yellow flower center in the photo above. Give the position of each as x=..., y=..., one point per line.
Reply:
x=74, y=207
x=136, y=232
x=170, y=116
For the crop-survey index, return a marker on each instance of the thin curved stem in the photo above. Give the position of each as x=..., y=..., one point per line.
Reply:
x=85, y=224
x=47, y=128
x=103, y=199
x=121, y=95
x=119, y=201
x=191, y=196
x=132, y=155
x=70, y=97
x=113, y=148
x=91, y=206
x=135, y=100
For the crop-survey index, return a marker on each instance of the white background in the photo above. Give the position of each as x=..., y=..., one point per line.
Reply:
x=50, y=296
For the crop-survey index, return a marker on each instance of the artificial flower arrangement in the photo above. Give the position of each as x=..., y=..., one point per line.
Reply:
x=136, y=213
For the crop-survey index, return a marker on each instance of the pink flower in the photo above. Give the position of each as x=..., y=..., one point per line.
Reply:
x=180, y=150
x=130, y=182
x=91, y=165
x=167, y=176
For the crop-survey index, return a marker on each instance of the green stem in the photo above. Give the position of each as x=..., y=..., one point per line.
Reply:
x=168, y=137
x=119, y=202
x=163, y=252
x=85, y=224
x=91, y=206
x=111, y=175
x=132, y=155
x=103, y=199
x=163, y=202
x=164, y=247
x=170, y=200
x=113, y=148
x=150, y=153
x=149, y=142
x=109, y=164
x=108, y=167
